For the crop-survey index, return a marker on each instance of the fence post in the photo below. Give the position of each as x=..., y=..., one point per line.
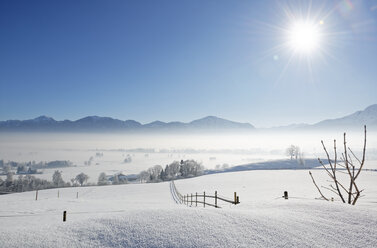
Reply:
x=36, y=195
x=215, y=199
x=286, y=195
x=187, y=199
x=196, y=199
x=184, y=199
x=64, y=216
x=235, y=198
x=204, y=199
x=191, y=199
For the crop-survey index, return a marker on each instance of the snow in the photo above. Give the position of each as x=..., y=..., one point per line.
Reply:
x=146, y=215
x=226, y=149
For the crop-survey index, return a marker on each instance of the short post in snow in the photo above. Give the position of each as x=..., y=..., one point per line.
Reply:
x=204, y=199
x=184, y=199
x=191, y=199
x=286, y=195
x=215, y=199
x=196, y=199
x=235, y=198
x=238, y=199
x=187, y=199
x=64, y=216
x=36, y=195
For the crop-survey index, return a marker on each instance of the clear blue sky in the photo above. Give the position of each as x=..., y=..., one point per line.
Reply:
x=183, y=60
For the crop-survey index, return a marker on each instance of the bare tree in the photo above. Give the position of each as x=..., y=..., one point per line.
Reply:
x=293, y=151
x=102, y=179
x=81, y=178
x=290, y=151
x=143, y=176
x=346, y=164
x=57, y=179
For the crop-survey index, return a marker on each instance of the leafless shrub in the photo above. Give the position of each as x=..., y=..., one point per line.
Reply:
x=348, y=192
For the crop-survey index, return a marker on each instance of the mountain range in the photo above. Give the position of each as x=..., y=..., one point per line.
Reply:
x=96, y=123
x=106, y=124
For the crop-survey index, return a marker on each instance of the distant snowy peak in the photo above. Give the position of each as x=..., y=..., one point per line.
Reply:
x=209, y=122
x=216, y=122
x=366, y=117
x=132, y=124
x=43, y=118
x=155, y=124
x=371, y=110
x=165, y=125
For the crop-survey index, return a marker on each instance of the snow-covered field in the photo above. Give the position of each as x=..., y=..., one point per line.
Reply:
x=146, y=215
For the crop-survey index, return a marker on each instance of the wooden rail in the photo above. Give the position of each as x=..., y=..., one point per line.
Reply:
x=192, y=199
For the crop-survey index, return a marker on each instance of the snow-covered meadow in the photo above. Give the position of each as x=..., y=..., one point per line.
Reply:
x=146, y=215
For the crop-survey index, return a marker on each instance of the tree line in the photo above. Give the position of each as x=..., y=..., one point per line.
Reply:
x=28, y=182
x=175, y=170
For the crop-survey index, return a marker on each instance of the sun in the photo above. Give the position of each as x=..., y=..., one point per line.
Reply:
x=304, y=37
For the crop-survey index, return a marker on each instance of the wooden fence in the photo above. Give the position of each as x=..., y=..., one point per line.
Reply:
x=195, y=199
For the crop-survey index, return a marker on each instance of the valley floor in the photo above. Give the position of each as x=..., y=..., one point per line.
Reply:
x=146, y=215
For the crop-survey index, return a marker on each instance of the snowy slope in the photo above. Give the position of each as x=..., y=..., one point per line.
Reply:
x=367, y=117
x=145, y=215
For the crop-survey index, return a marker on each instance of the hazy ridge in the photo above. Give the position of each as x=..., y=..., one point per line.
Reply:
x=367, y=117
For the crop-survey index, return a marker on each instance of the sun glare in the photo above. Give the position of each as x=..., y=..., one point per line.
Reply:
x=304, y=37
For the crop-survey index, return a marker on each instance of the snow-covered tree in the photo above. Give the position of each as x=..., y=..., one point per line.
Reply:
x=81, y=178
x=188, y=168
x=154, y=173
x=115, y=179
x=9, y=177
x=173, y=170
x=143, y=176
x=102, y=180
x=293, y=151
x=57, y=179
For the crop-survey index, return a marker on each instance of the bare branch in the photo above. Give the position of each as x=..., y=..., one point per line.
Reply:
x=343, y=172
x=327, y=170
x=310, y=173
x=327, y=154
x=335, y=155
x=330, y=190
x=341, y=165
x=347, y=165
x=353, y=154
x=365, y=145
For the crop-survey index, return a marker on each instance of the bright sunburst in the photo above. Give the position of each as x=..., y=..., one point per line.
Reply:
x=304, y=37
